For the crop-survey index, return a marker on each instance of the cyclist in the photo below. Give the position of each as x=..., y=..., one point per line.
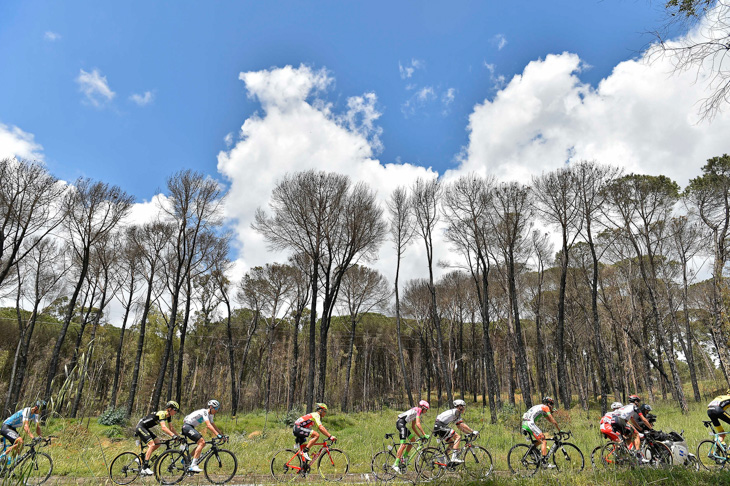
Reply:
x=607, y=422
x=196, y=418
x=719, y=409
x=533, y=431
x=443, y=430
x=21, y=417
x=414, y=414
x=303, y=429
x=628, y=424
x=163, y=418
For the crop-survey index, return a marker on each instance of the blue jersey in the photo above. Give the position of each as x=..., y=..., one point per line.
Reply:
x=17, y=419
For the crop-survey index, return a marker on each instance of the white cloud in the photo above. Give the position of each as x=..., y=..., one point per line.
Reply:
x=297, y=131
x=408, y=70
x=639, y=117
x=228, y=139
x=500, y=41
x=51, y=36
x=143, y=99
x=95, y=88
x=449, y=96
x=15, y=143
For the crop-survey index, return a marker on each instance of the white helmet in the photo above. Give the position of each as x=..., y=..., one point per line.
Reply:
x=214, y=403
x=616, y=405
x=459, y=403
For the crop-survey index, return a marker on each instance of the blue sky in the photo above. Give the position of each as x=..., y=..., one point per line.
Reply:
x=188, y=56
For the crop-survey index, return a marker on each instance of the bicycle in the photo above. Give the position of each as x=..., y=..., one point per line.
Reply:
x=33, y=467
x=127, y=466
x=332, y=464
x=382, y=461
x=618, y=454
x=219, y=465
x=656, y=452
x=713, y=454
x=433, y=462
x=524, y=460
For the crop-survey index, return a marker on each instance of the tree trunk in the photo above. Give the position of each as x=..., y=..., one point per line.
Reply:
x=231, y=359
x=118, y=363
x=350, y=350
x=140, y=345
x=401, y=359
x=294, y=362
x=183, y=333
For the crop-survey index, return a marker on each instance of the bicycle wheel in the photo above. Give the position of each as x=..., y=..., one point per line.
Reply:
x=523, y=460
x=35, y=469
x=286, y=465
x=661, y=455
x=568, y=458
x=221, y=466
x=171, y=467
x=333, y=465
x=710, y=455
x=478, y=462
x=616, y=455
x=431, y=463
x=125, y=468
x=381, y=466
x=596, y=456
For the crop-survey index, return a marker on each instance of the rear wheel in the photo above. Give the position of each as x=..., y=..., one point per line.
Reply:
x=125, y=468
x=523, y=460
x=381, y=466
x=616, y=455
x=286, y=465
x=661, y=454
x=171, y=467
x=430, y=464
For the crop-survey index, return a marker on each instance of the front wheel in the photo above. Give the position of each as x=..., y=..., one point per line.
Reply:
x=568, y=458
x=220, y=466
x=171, y=467
x=382, y=466
x=431, y=463
x=661, y=455
x=333, y=464
x=523, y=460
x=478, y=462
x=35, y=469
x=125, y=468
x=286, y=465
x=617, y=455
x=710, y=455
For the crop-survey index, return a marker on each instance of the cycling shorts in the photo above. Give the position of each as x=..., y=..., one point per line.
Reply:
x=9, y=433
x=403, y=431
x=301, y=434
x=607, y=430
x=622, y=427
x=190, y=432
x=716, y=413
x=444, y=433
x=532, y=430
x=144, y=434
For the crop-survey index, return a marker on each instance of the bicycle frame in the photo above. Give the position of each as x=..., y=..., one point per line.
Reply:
x=324, y=447
x=443, y=446
x=718, y=443
x=417, y=445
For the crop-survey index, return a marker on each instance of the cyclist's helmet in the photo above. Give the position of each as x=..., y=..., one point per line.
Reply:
x=645, y=408
x=634, y=399
x=40, y=404
x=322, y=406
x=459, y=403
x=176, y=406
x=214, y=403
x=424, y=404
x=616, y=405
x=548, y=401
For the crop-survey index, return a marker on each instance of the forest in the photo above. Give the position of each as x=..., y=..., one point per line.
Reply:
x=585, y=283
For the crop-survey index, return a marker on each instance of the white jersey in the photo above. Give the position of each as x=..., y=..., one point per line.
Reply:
x=198, y=417
x=445, y=418
x=411, y=414
x=17, y=419
x=627, y=411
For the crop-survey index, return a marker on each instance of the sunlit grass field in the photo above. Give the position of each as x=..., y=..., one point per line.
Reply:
x=84, y=449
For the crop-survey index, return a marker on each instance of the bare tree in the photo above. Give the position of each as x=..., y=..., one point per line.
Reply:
x=426, y=200
x=94, y=209
x=401, y=233
x=363, y=290
x=30, y=209
x=301, y=270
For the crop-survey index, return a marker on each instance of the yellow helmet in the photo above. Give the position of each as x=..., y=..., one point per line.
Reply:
x=322, y=406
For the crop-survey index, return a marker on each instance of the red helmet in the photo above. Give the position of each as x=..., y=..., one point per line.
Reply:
x=424, y=404
x=634, y=399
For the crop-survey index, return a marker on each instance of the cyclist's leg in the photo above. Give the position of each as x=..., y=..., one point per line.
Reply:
x=716, y=413
x=314, y=435
x=13, y=438
x=536, y=435
x=148, y=438
x=192, y=434
x=403, y=434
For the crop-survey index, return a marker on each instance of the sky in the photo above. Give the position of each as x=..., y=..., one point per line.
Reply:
x=385, y=92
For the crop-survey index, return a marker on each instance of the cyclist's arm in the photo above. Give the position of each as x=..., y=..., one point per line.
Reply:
x=643, y=419
x=464, y=428
x=213, y=428
x=552, y=420
x=26, y=426
x=324, y=431
x=167, y=428
x=417, y=425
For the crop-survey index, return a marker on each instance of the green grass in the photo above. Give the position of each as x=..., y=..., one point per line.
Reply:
x=84, y=450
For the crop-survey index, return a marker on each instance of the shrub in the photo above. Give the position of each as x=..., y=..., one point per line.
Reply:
x=115, y=431
x=289, y=417
x=113, y=416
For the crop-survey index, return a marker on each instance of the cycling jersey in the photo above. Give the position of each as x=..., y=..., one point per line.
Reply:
x=306, y=421
x=722, y=401
x=410, y=415
x=536, y=412
x=198, y=417
x=627, y=412
x=17, y=419
x=154, y=419
x=444, y=419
